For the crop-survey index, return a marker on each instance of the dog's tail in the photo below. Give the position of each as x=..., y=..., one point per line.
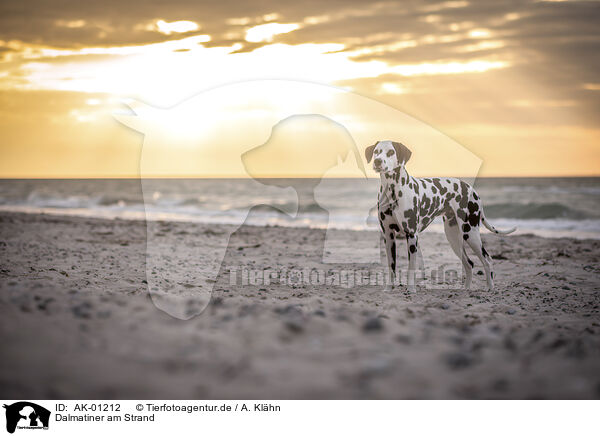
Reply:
x=493, y=229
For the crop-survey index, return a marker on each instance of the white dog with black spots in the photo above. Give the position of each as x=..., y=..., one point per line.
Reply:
x=406, y=205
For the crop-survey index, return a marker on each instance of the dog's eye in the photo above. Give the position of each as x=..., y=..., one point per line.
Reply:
x=389, y=153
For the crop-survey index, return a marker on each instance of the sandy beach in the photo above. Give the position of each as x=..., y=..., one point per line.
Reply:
x=76, y=321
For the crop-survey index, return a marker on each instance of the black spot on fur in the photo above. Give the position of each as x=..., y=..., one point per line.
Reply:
x=474, y=219
x=425, y=205
x=465, y=236
x=411, y=219
x=466, y=228
x=438, y=185
x=464, y=194
x=394, y=227
x=470, y=262
x=413, y=249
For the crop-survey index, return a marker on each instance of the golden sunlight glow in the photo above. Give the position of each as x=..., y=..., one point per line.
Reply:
x=428, y=69
x=271, y=17
x=266, y=32
x=458, y=71
x=242, y=21
x=182, y=26
x=393, y=88
x=306, y=125
x=481, y=45
x=137, y=69
x=168, y=28
x=479, y=33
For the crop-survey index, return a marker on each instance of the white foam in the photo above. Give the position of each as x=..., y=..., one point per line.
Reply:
x=550, y=228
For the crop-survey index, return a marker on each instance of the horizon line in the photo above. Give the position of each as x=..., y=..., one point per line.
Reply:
x=233, y=177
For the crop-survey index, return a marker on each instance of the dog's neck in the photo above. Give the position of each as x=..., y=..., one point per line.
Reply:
x=398, y=177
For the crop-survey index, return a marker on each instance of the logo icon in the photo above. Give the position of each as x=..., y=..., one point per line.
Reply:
x=26, y=415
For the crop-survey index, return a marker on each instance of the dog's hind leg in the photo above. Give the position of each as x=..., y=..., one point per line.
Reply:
x=455, y=239
x=474, y=241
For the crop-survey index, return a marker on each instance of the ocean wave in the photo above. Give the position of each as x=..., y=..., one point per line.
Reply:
x=549, y=208
x=535, y=211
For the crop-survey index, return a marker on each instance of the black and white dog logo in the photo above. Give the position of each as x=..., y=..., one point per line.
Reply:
x=26, y=415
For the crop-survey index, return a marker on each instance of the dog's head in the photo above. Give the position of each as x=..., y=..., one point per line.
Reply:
x=387, y=155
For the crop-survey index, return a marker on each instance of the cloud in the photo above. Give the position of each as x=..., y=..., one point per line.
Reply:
x=266, y=32
x=549, y=44
x=71, y=24
x=168, y=28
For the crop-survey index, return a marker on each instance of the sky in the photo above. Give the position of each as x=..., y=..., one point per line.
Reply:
x=516, y=83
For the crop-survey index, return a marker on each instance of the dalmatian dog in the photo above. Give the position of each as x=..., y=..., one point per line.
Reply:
x=407, y=205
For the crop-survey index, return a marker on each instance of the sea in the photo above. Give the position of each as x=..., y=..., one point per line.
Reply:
x=548, y=207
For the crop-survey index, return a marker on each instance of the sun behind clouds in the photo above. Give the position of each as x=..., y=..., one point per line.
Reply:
x=523, y=99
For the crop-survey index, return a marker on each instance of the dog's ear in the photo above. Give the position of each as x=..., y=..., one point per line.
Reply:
x=369, y=152
x=402, y=152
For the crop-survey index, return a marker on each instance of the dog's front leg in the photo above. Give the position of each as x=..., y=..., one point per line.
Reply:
x=413, y=248
x=390, y=250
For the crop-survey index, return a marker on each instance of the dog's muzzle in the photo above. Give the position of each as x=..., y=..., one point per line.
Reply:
x=377, y=165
